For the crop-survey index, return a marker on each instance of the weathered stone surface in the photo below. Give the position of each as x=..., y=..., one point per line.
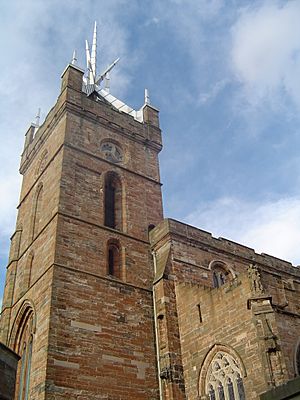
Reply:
x=178, y=302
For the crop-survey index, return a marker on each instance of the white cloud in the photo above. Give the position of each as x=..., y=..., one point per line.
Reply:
x=266, y=51
x=272, y=227
x=213, y=92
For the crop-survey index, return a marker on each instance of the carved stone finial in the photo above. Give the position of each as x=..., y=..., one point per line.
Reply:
x=255, y=280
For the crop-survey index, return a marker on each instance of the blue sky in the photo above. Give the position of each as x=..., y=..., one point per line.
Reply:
x=225, y=75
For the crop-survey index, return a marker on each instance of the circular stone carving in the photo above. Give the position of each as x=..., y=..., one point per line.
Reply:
x=111, y=151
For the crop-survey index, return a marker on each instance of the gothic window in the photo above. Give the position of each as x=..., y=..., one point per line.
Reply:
x=230, y=389
x=221, y=391
x=240, y=387
x=23, y=346
x=37, y=211
x=223, y=380
x=113, y=201
x=220, y=274
x=211, y=393
x=113, y=259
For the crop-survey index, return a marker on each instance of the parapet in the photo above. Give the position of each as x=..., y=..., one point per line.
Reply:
x=172, y=230
x=99, y=106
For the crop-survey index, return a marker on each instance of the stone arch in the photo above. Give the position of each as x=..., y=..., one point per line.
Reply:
x=212, y=352
x=41, y=164
x=26, y=309
x=21, y=341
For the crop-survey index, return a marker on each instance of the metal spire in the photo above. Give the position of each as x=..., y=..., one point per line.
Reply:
x=74, y=58
x=147, y=97
x=108, y=69
x=94, y=51
x=37, y=118
x=91, y=82
x=107, y=82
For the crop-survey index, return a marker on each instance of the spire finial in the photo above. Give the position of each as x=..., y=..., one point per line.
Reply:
x=37, y=118
x=94, y=51
x=147, y=97
x=91, y=82
x=74, y=58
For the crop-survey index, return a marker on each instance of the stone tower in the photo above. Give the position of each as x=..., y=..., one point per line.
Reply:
x=78, y=302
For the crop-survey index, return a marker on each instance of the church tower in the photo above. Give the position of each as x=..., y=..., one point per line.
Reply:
x=78, y=304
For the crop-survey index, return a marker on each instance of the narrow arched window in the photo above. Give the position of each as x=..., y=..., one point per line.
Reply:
x=28, y=271
x=37, y=211
x=220, y=274
x=113, y=201
x=113, y=259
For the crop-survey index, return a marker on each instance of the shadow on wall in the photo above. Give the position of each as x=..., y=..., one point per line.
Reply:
x=290, y=390
x=8, y=368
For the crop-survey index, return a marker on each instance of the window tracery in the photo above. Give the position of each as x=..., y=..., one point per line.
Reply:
x=223, y=380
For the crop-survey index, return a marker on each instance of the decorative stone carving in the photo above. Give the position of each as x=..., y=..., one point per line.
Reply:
x=111, y=151
x=255, y=280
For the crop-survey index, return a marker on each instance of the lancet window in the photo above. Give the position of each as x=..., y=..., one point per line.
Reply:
x=113, y=201
x=224, y=378
x=37, y=211
x=219, y=275
x=113, y=259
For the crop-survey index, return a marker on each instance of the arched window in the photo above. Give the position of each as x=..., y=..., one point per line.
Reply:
x=41, y=162
x=223, y=379
x=37, y=211
x=113, y=259
x=23, y=347
x=113, y=201
x=28, y=273
x=220, y=274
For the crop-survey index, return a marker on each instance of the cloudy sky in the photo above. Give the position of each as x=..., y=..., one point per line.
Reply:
x=225, y=75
